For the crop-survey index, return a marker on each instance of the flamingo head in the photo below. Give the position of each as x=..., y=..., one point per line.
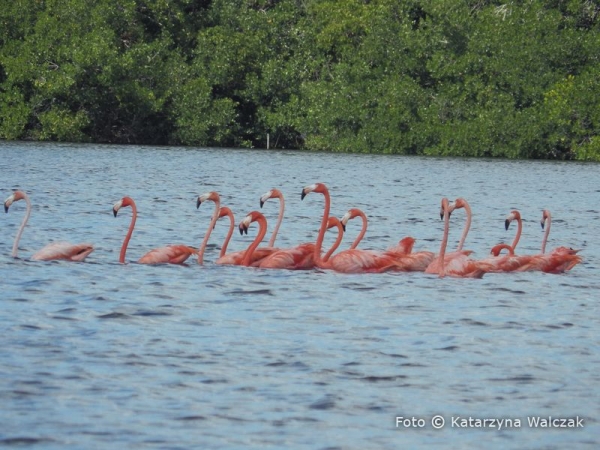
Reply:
x=273, y=193
x=125, y=201
x=212, y=196
x=252, y=217
x=225, y=211
x=317, y=187
x=514, y=215
x=14, y=197
x=334, y=222
x=497, y=249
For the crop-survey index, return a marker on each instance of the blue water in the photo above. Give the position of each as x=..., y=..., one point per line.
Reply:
x=99, y=354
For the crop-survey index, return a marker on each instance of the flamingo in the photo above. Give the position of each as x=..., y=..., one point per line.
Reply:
x=347, y=261
x=515, y=215
x=214, y=197
x=401, y=253
x=256, y=254
x=253, y=255
x=52, y=251
x=458, y=265
x=171, y=254
x=274, y=193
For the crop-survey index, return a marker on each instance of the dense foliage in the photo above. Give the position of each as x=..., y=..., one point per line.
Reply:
x=503, y=78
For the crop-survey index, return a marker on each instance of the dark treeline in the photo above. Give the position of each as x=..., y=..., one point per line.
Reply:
x=517, y=79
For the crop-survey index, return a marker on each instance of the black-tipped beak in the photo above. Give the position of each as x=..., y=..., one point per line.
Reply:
x=261, y=203
x=303, y=195
x=344, y=227
x=542, y=224
x=5, y=208
x=243, y=229
x=506, y=224
x=198, y=203
x=114, y=212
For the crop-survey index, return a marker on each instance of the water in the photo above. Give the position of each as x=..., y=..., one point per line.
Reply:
x=132, y=356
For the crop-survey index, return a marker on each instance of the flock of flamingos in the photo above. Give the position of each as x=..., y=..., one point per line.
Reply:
x=310, y=255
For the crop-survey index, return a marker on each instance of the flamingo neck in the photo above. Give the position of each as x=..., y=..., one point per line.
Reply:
x=518, y=235
x=463, y=238
x=547, y=224
x=129, y=233
x=22, y=227
x=317, y=256
x=229, y=234
x=279, y=220
x=212, y=224
x=444, y=244
x=262, y=231
x=363, y=230
x=336, y=244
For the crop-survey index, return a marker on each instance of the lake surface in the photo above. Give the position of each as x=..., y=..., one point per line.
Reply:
x=99, y=354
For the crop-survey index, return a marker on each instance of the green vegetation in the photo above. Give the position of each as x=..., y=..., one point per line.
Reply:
x=517, y=79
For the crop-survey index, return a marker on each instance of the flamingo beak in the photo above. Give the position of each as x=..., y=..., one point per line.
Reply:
x=506, y=224
x=198, y=203
x=261, y=202
x=117, y=207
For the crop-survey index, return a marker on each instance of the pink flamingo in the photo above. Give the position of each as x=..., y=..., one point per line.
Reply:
x=514, y=215
x=274, y=193
x=402, y=253
x=214, y=197
x=52, y=251
x=347, y=261
x=458, y=265
x=171, y=254
x=253, y=255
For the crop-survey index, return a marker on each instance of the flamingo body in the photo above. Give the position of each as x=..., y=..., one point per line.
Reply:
x=63, y=251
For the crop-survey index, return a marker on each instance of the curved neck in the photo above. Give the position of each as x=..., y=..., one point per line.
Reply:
x=22, y=227
x=547, y=223
x=229, y=233
x=323, y=229
x=338, y=241
x=518, y=235
x=212, y=224
x=463, y=238
x=279, y=220
x=129, y=232
x=497, y=249
x=362, y=231
x=443, y=245
x=262, y=231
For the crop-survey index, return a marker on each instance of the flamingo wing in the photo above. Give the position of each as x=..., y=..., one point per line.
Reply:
x=171, y=254
x=361, y=261
x=64, y=251
x=463, y=267
x=411, y=262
